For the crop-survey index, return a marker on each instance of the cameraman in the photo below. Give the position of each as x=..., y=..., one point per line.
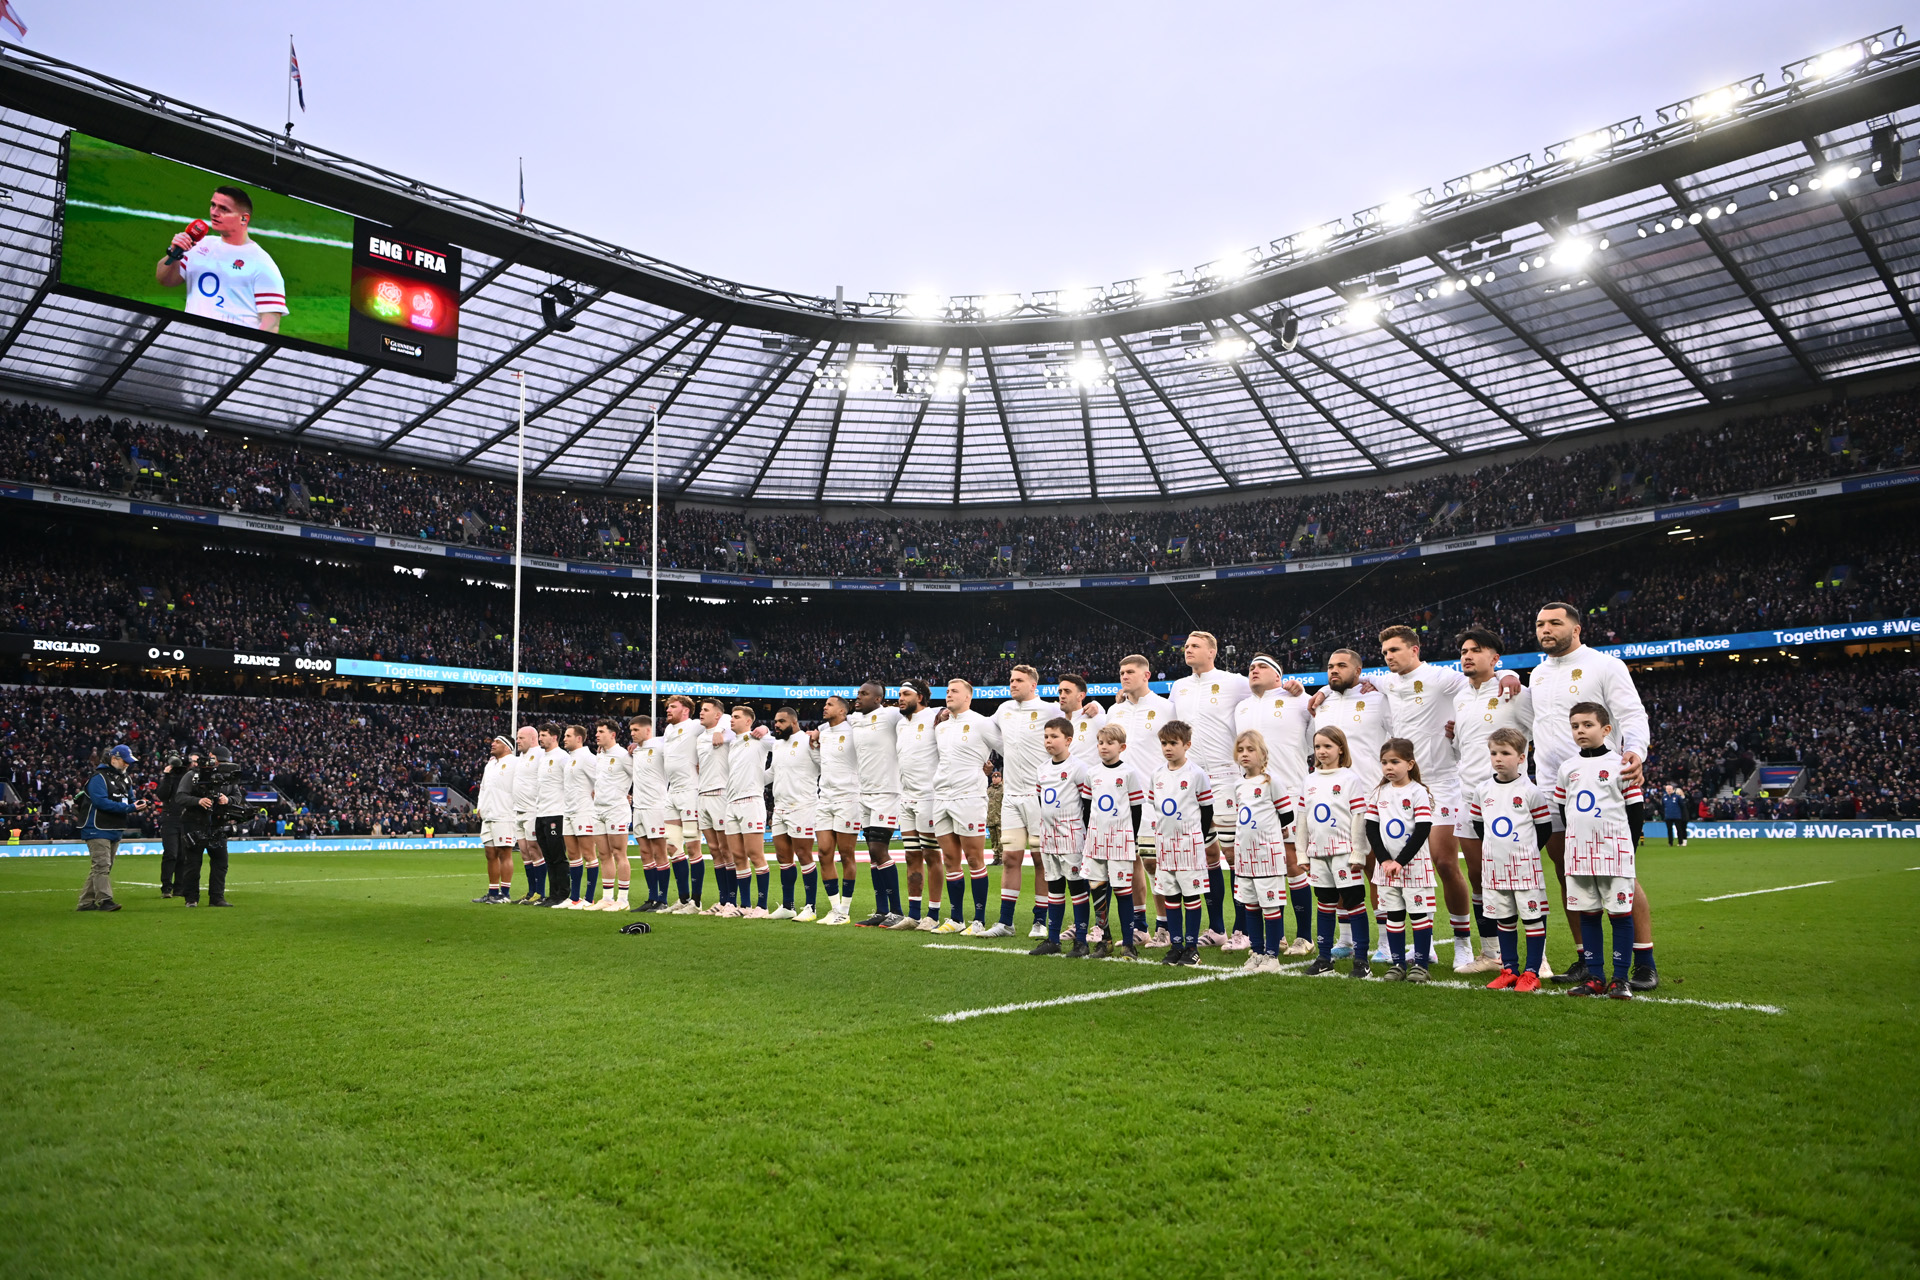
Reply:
x=203, y=808
x=170, y=821
x=109, y=798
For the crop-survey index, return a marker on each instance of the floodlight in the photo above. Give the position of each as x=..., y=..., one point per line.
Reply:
x=1793, y=188
x=1001, y=304
x=1227, y=350
x=1314, y=239
x=1486, y=178
x=1710, y=106
x=1589, y=144
x=1076, y=299
x=1363, y=311
x=1571, y=252
x=1835, y=176
x=1833, y=63
x=921, y=306
x=1713, y=211
x=1399, y=211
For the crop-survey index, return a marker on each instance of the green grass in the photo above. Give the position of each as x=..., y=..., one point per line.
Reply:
x=356, y=1072
x=113, y=252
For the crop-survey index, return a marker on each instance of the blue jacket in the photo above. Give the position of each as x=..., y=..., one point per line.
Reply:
x=100, y=789
x=1671, y=806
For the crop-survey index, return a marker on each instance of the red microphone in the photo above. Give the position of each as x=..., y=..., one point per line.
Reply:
x=196, y=231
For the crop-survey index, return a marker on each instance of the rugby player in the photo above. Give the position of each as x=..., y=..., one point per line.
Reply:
x=837, y=820
x=650, y=811
x=1205, y=701
x=1282, y=714
x=228, y=275
x=876, y=732
x=710, y=775
x=966, y=742
x=1021, y=723
x=1140, y=712
x=746, y=833
x=1351, y=704
x=919, y=757
x=679, y=748
x=550, y=802
x=613, y=806
x=1480, y=707
x=796, y=797
x=526, y=800
x=579, y=776
x=497, y=828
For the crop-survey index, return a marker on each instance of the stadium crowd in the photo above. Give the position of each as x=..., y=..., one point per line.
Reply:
x=286, y=601
x=40, y=445
x=341, y=768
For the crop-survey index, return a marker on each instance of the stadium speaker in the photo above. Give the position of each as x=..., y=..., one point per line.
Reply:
x=899, y=373
x=1886, y=156
x=553, y=299
x=1287, y=326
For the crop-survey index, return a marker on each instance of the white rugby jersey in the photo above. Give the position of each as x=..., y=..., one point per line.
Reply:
x=581, y=774
x=1177, y=796
x=1421, y=703
x=747, y=768
x=1114, y=789
x=919, y=754
x=1060, y=788
x=234, y=283
x=965, y=742
x=1285, y=721
x=1086, y=733
x=1584, y=675
x=1142, y=721
x=526, y=782
x=496, y=788
x=1367, y=722
x=680, y=749
x=1327, y=813
x=1509, y=814
x=712, y=773
x=1594, y=803
x=839, y=772
x=877, y=750
x=796, y=770
x=1023, y=750
x=1264, y=807
x=1399, y=810
x=1207, y=703
x=551, y=796
x=1477, y=711
x=615, y=786
x=649, y=774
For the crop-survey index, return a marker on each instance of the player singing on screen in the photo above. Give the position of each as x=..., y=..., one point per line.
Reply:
x=227, y=274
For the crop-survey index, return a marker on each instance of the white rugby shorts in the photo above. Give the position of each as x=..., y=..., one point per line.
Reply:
x=746, y=817
x=615, y=822
x=966, y=816
x=1265, y=892
x=1021, y=811
x=1062, y=850
x=917, y=813
x=585, y=822
x=1447, y=808
x=880, y=811
x=523, y=824
x=1183, y=883
x=1405, y=897
x=1339, y=872
x=650, y=824
x=1611, y=894
x=496, y=833
x=1117, y=872
x=683, y=806
x=838, y=813
x=1509, y=904
x=793, y=820
x=713, y=811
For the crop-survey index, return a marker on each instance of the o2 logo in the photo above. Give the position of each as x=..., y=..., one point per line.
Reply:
x=1396, y=829
x=1050, y=797
x=1170, y=807
x=1585, y=802
x=1106, y=804
x=1503, y=827
x=1322, y=813
x=209, y=286
x=1246, y=815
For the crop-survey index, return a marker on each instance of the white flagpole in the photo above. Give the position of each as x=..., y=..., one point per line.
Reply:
x=519, y=523
x=653, y=622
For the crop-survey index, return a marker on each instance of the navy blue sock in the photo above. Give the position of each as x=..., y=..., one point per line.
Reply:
x=1276, y=931
x=810, y=882
x=1240, y=919
x=1329, y=929
x=1302, y=898
x=789, y=875
x=1190, y=936
x=1056, y=908
x=849, y=884
x=573, y=880
x=1078, y=890
x=1140, y=912
x=1423, y=940
x=761, y=879
x=979, y=879
x=697, y=868
x=1123, y=912
x=1256, y=927
x=1509, y=948
x=833, y=890
x=913, y=908
x=1536, y=943
x=1396, y=941
x=680, y=877
x=662, y=884
x=1008, y=905
x=743, y=886
x=1216, y=898
x=537, y=878
x=593, y=880
x=895, y=907
x=1643, y=955
x=1622, y=945
x=1362, y=940
x=1592, y=947
x=956, y=896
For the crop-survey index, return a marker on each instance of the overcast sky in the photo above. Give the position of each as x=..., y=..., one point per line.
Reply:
x=971, y=148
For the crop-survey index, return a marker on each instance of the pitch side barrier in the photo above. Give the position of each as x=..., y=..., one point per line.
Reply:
x=319, y=844
x=1809, y=829
x=1443, y=546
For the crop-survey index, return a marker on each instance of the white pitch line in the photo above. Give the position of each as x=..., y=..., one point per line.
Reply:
x=268, y=884
x=1755, y=892
x=1084, y=997
x=1013, y=951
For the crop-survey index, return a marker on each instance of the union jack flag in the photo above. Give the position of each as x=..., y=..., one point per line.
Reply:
x=293, y=69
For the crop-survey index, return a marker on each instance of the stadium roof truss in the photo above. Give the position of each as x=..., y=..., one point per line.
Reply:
x=1739, y=245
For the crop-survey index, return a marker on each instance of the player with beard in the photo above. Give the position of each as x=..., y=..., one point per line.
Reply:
x=650, y=813
x=967, y=741
x=580, y=778
x=613, y=805
x=1479, y=707
x=680, y=747
x=496, y=819
x=876, y=731
x=1421, y=697
x=837, y=820
x=1205, y=701
x=796, y=799
x=919, y=757
x=1021, y=723
x=1140, y=712
x=1572, y=672
x=526, y=800
x=747, y=777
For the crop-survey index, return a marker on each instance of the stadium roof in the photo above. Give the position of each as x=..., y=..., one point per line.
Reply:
x=1732, y=246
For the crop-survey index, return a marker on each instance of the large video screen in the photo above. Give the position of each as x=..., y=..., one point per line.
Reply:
x=179, y=240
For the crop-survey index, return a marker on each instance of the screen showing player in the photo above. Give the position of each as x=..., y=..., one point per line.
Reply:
x=172, y=238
